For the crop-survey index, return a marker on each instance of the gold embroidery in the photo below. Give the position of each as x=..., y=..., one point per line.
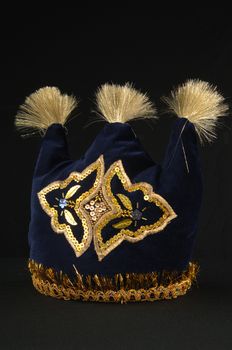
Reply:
x=123, y=224
x=131, y=287
x=66, y=202
x=99, y=206
x=69, y=218
x=103, y=248
x=72, y=191
x=125, y=201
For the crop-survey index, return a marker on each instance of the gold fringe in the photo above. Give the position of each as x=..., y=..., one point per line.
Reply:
x=118, y=103
x=130, y=287
x=44, y=107
x=201, y=104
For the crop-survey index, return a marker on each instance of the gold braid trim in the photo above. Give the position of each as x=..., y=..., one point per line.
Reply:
x=130, y=287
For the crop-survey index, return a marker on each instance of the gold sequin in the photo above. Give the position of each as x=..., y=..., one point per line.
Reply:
x=96, y=207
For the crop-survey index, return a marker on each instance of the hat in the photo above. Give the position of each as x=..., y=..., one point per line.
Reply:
x=114, y=225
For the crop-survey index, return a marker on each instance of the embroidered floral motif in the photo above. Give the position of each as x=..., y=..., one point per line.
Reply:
x=62, y=201
x=66, y=202
x=110, y=211
x=127, y=219
x=134, y=214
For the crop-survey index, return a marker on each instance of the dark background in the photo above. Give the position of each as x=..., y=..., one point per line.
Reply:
x=78, y=49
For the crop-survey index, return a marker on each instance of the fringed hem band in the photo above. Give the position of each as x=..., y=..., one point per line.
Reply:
x=131, y=287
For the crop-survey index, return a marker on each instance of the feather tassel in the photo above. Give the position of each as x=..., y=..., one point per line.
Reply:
x=44, y=107
x=118, y=103
x=201, y=104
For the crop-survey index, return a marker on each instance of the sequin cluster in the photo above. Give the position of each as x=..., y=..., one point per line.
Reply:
x=96, y=207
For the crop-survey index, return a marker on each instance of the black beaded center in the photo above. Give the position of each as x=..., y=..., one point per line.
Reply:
x=136, y=215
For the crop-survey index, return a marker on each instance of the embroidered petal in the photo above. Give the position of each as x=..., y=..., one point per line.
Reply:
x=125, y=201
x=72, y=191
x=122, y=224
x=69, y=218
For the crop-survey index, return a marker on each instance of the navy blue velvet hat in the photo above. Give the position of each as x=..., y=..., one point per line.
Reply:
x=114, y=225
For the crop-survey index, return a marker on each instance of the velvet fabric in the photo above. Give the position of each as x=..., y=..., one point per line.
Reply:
x=177, y=179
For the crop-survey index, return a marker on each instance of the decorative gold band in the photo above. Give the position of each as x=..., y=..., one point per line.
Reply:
x=128, y=288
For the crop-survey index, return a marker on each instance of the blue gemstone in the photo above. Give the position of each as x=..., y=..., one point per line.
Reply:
x=62, y=203
x=136, y=214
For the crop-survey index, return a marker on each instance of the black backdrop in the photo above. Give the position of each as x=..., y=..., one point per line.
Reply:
x=78, y=51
